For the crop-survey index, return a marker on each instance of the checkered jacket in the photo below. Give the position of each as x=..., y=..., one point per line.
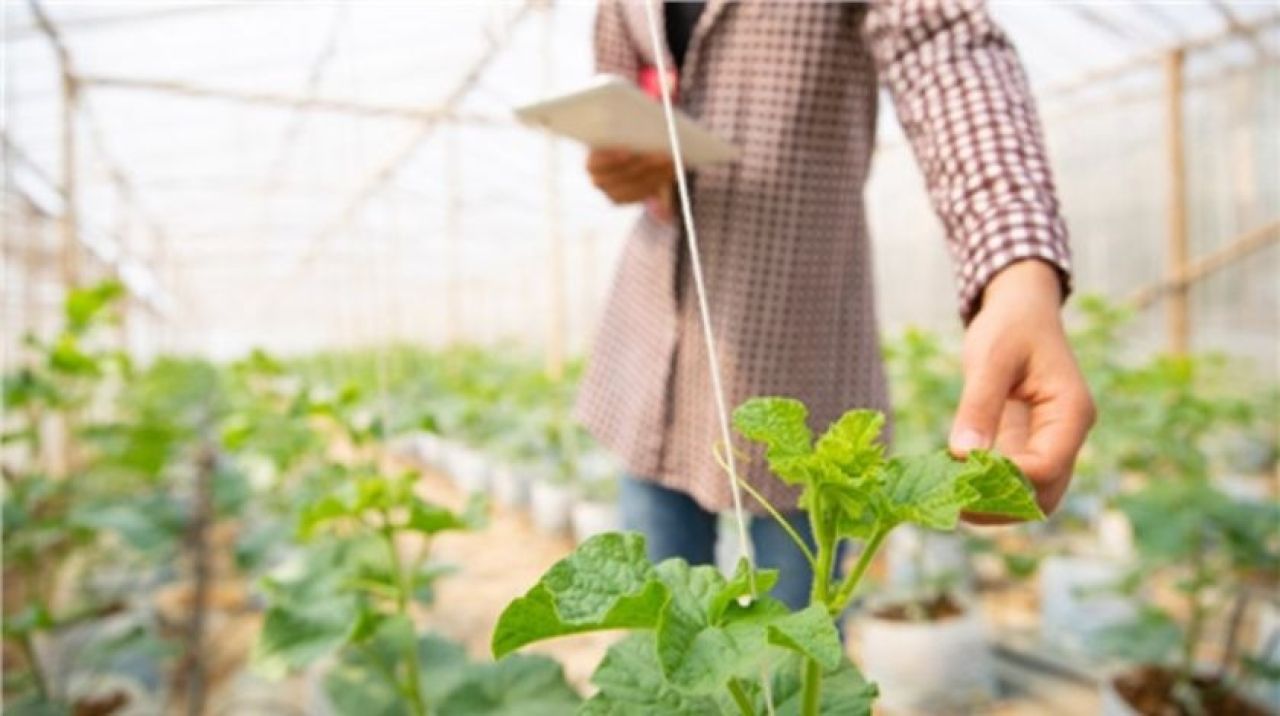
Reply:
x=783, y=230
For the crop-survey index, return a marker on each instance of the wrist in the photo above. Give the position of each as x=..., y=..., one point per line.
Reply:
x=1029, y=284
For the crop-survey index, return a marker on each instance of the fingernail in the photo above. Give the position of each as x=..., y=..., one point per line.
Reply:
x=966, y=439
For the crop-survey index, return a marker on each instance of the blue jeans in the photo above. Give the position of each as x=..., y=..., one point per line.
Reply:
x=676, y=526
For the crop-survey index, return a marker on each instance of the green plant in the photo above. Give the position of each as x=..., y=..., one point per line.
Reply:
x=702, y=643
x=1210, y=548
x=352, y=592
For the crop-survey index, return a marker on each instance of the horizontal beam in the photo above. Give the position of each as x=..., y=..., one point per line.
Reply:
x=288, y=101
x=1212, y=262
x=1154, y=59
x=108, y=21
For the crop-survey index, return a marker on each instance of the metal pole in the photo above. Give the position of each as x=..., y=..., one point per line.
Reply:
x=1177, y=309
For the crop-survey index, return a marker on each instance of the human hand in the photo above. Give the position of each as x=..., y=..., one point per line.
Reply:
x=627, y=177
x=1023, y=392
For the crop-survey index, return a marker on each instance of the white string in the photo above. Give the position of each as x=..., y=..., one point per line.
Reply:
x=695, y=264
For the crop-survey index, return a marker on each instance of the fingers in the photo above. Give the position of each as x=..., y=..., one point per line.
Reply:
x=988, y=382
x=626, y=176
x=1059, y=420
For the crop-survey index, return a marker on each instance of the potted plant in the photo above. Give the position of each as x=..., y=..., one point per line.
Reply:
x=596, y=510
x=1203, y=545
x=554, y=491
x=703, y=643
x=925, y=642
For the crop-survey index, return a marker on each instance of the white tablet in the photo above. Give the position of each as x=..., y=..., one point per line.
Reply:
x=613, y=112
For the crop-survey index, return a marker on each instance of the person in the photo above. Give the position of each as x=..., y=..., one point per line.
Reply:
x=784, y=248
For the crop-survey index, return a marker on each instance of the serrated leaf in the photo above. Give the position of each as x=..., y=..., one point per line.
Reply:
x=700, y=658
x=851, y=442
x=631, y=684
x=811, y=633
x=606, y=583
x=927, y=490
x=1002, y=488
x=778, y=423
x=519, y=685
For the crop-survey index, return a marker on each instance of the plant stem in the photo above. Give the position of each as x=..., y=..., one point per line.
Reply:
x=812, y=693
x=1197, y=609
x=33, y=663
x=413, y=682
x=820, y=592
x=850, y=584
x=740, y=698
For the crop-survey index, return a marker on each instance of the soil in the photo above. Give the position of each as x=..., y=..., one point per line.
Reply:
x=935, y=609
x=1149, y=691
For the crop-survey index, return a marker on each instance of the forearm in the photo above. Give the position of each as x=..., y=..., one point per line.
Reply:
x=964, y=103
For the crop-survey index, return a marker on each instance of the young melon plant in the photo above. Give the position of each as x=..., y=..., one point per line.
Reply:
x=349, y=597
x=703, y=644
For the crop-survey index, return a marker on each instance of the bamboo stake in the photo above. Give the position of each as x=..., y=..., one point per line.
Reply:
x=453, y=249
x=70, y=251
x=1178, y=309
x=1233, y=252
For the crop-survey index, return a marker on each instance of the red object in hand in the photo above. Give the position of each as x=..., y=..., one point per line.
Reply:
x=649, y=82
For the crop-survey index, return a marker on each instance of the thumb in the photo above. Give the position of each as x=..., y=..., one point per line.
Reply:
x=986, y=388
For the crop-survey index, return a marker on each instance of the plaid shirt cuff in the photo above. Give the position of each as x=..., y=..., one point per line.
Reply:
x=1006, y=238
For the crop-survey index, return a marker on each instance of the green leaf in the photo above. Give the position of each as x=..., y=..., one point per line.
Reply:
x=631, y=684
x=740, y=586
x=34, y=705
x=931, y=490
x=432, y=519
x=149, y=525
x=66, y=357
x=927, y=490
x=606, y=583
x=1002, y=488
x=700, y=658
x=295, y=635
x=811, y=633
x=84, y=305
x=778, y=423
x=518, y=685
x=320, y=513
x=1153, y=637
x=851, y=442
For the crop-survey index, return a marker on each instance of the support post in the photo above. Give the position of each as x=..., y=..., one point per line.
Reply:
x=70, y=249
x=453, y=268
x=1178, y=306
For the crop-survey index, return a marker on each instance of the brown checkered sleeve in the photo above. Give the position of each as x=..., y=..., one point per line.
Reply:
x=964, y=103
x=613, y=49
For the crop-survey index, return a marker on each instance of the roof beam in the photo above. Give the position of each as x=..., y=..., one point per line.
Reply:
x=1238, y=28
x=111, y=21
x=289, y=101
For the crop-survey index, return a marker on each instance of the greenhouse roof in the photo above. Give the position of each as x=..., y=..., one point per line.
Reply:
x=263, y=142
